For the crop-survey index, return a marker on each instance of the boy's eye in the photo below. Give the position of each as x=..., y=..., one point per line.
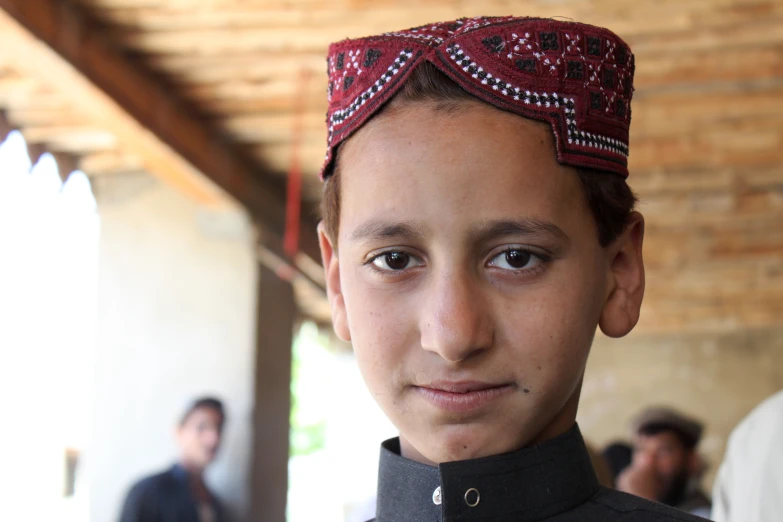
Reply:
x=515, y=259
x=395, y=261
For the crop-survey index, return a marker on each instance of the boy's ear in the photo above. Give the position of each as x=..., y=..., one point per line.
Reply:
x=333, y=288
x=626, y=280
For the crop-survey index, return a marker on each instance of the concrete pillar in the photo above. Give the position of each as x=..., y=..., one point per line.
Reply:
x=275, y=324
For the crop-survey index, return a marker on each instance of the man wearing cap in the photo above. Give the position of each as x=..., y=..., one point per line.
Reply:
x=666, y=465
x=477, y=230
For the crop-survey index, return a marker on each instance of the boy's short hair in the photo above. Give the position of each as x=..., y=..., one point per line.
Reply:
x=211, y=403
x=610, y=199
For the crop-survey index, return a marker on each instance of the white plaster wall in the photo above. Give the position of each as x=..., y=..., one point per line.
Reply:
x=177, y=288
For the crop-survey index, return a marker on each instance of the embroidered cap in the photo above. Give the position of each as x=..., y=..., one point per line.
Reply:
x=577, y=77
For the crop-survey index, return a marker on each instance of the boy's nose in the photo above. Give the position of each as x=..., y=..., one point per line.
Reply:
x=456, y=321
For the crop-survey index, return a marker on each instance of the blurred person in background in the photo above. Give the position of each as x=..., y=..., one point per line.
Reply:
x=666, y=466
x=602, y=470
x=617, y=456
x=749, y=485
x=180, y=494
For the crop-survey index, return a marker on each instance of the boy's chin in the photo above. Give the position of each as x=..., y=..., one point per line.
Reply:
x=437, y=438
x=454, y=443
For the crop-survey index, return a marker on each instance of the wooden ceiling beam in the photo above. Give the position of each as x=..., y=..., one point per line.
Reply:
x=109, y=162
x=66, y=164
x=384, y=15
x=652, y=69
x=26, y=28
x=119, y=95
x=647, y=36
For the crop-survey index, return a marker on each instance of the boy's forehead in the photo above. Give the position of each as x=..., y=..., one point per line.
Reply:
x=476, y=136
x=575, y=77
x=431, y=169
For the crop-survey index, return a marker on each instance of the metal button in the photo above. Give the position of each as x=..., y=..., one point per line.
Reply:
x=472, y=497
x=436, y=496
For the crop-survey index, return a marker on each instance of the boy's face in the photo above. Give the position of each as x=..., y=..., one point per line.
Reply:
x=469, y=278
x=199, y=437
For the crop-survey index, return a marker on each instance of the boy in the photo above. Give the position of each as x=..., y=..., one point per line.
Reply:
x=180, y=493
x=477, y=229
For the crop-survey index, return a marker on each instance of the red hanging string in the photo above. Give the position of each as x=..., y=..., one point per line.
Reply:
x=294, y=194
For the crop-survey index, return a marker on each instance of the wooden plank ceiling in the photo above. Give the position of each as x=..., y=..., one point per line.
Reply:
x=706, y=142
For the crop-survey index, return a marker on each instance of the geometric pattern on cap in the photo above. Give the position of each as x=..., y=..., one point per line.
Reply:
x=576, y=77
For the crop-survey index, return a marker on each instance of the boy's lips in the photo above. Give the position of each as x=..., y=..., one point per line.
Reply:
x=461, y=396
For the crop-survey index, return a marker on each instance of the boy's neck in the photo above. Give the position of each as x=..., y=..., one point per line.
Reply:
x=193, y=469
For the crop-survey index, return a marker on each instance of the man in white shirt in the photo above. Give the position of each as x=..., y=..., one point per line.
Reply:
x=749, y=485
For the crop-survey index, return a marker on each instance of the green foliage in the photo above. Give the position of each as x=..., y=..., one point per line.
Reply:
x=308, y=421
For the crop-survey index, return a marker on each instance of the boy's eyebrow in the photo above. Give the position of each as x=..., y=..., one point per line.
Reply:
x=380, y=229
x=510, y=227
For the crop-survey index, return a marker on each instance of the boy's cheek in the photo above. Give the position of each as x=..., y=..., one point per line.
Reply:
x=379, y=330
x=545, y=356
x=377, y=311
x=547, y=346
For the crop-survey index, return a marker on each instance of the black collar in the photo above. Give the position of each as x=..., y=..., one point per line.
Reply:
x=531, y=484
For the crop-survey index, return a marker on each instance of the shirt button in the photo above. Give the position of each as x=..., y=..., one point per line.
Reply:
x=472, y=497
x=436, y=496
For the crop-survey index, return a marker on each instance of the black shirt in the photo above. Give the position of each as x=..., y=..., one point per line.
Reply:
x=165, y=497
x=552, y=481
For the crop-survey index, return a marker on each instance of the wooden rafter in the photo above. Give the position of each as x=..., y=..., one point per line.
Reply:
x=53, y=39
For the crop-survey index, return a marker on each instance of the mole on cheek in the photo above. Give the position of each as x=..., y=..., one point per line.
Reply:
x=526, y=390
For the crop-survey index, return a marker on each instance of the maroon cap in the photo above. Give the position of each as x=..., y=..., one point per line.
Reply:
x=577, y=77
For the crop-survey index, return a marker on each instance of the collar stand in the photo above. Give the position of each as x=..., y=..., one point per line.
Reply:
x=527, y=485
